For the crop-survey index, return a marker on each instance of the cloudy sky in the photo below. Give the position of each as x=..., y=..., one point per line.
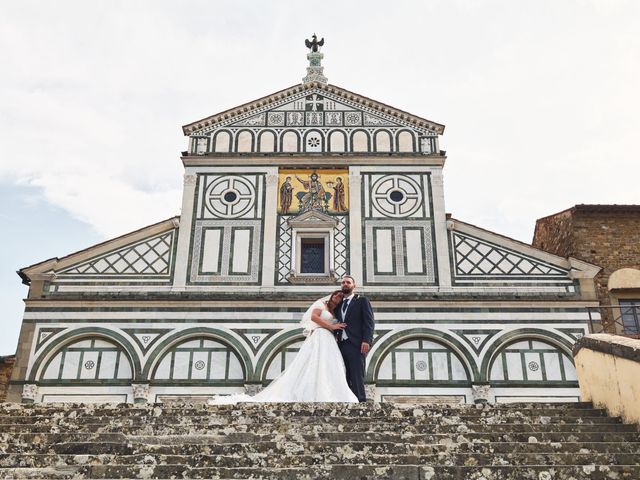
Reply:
x=540, y=100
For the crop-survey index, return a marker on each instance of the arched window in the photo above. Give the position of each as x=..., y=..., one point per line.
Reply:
x=532, y=361
x=360, y=141
x=244, y=142
x=203, y=359
x=421, y=362
x=282, y=358
x=337, y=142
x=289, y=142
x=405, y=142
x=222, y=142
x=92, y=358
x=383, y=141
x=267, y=142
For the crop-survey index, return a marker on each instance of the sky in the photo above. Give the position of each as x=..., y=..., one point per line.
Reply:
x=540, y=100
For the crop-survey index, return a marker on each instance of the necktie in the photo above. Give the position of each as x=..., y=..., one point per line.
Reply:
x=345, y=306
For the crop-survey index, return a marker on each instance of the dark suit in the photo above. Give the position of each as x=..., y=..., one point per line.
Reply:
x=360, y=325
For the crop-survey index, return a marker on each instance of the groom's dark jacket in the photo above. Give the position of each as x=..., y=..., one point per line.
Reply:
x=359, y=320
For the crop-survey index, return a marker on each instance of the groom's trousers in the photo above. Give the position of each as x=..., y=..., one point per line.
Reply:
x=354, y=363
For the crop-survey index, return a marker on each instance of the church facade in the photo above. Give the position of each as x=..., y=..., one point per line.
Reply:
x=282, y=197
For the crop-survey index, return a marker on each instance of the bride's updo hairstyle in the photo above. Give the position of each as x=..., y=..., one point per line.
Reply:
x=334, y=300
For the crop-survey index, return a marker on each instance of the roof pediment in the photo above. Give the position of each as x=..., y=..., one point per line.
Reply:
x=312, y=219
x=320, y=105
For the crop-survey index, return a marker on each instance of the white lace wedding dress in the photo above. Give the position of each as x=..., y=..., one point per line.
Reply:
x=316, y=374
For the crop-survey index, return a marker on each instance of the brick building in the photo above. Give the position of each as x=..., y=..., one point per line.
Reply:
x=607, y=236
x=6, y=367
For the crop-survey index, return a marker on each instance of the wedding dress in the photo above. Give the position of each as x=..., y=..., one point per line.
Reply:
x=316, y=374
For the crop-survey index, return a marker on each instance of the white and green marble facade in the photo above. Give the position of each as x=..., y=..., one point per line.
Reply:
x=203, y=303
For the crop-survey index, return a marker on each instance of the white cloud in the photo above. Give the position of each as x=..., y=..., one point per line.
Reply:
x=540, y=99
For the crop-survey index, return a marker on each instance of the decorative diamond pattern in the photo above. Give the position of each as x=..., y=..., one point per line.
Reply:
x=284, y=249
x=340, y=251
x=152, y=256
x=476, y=257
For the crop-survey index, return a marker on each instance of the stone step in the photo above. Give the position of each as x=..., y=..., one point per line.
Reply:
x=283, y=427
x=271, y=447
x=294, y=410
x=401, y=472
x=248, y=437
x=226, y=420
x=268, y=460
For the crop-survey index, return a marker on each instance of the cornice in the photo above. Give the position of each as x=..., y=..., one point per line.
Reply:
x=311, y=160
x=281, y=97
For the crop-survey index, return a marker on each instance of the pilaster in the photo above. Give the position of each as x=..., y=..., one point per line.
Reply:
x=270, y=228
x=440, y=226
x=355, y=225
x=184, y=232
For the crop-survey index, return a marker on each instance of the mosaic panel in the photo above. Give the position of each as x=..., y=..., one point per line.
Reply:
x=322, y=190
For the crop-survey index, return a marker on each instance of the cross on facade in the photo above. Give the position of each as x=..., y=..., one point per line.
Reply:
x=314, y=103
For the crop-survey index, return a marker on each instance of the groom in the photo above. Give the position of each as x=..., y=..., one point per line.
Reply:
x=356, y=339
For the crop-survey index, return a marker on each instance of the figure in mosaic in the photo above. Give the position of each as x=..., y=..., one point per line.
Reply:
x=339, y=196
x=286, y=195
x=315, y=196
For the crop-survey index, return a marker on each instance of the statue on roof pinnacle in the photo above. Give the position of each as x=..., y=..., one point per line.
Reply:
x=314, y=43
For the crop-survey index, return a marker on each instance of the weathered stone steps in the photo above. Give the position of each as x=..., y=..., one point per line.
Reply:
x=249, y=437
x=346, y=457
x=215, y=419
x=515, y=442
x=287, y=428
x=395, y=472
x=398, y=448
x=300, y=409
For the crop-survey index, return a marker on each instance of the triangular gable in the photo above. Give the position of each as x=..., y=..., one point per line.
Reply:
x=480, y=255
x=148, y=252
x=303, y=98
x=313, y=118
x=150, y=256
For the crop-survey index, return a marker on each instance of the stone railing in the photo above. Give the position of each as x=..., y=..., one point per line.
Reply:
x=608, y=368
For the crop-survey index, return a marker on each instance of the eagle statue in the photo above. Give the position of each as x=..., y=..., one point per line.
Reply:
x=314, y=44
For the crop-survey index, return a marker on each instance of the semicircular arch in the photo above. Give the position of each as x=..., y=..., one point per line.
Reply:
x=277, y=344
x=68, y=338
x=224, y=337
x=513, y=336
x=396, y=339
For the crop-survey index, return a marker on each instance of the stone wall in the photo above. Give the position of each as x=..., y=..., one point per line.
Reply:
x=605, y=235
x=608, y=368
x=555, y=234
x=6, y=367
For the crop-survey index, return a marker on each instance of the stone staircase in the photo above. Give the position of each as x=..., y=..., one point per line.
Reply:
x=309, y=441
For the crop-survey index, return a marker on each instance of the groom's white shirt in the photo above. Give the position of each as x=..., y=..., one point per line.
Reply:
x=344, y=312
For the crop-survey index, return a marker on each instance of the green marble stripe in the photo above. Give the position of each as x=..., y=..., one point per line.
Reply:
x=386, y=323
x=534, y=384
x=265, y=308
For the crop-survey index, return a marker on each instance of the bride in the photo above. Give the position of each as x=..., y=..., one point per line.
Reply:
x=317, y=373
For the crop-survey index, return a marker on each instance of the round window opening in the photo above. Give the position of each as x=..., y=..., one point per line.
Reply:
x=230, y=197
x=396, y=196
